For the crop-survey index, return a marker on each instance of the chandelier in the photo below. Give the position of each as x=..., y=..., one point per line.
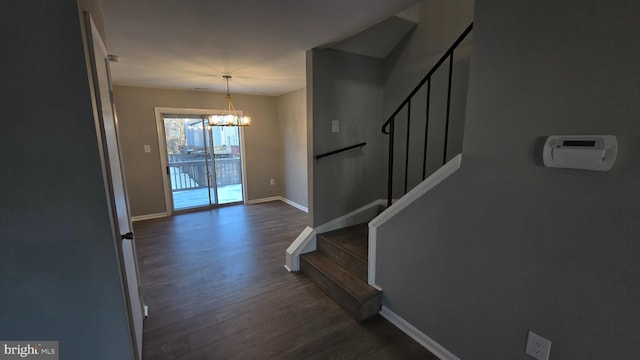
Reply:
x=230, y=116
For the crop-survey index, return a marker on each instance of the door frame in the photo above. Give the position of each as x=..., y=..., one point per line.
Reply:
x=166, y=182
x=113, y=172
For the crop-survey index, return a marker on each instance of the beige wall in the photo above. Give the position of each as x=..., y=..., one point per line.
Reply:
x=137, y=124
x=292, y=112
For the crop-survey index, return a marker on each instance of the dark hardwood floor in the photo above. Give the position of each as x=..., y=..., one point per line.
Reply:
x=216, y=288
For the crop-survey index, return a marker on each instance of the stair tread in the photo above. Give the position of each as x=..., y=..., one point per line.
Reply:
x=354, y=239
x=358, y=289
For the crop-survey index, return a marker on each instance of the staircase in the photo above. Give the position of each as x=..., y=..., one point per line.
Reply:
x=339, y=267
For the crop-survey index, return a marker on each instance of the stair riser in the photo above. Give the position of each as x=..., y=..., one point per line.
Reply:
x=359, y=311
x=349, y=262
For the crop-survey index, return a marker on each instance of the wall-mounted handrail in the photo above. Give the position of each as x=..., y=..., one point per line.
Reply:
x=340, y=150
x=389, y=126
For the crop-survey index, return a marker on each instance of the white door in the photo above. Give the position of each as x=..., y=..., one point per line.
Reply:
x=126, y=242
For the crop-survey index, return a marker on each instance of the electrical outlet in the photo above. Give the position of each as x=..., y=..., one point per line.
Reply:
x=272, y=182
x=537, y=346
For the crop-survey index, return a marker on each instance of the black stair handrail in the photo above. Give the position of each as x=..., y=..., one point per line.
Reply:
x=340, y=150
x=427, y=77
x=389, y=125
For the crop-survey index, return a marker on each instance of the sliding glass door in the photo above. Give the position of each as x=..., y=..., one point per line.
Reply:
x=203, y=162
x=225, y=142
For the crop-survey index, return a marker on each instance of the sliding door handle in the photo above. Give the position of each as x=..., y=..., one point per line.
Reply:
x=127, y=236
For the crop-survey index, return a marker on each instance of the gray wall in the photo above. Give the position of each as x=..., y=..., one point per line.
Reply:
x=292, y=114
x=362, y=92
x=58, y=265
x=135, y=108
x=506, y=245
x=441, y=23
x=348, y=88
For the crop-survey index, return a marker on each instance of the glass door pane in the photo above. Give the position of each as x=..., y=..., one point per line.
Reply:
x=188, y=155
x=228, y=164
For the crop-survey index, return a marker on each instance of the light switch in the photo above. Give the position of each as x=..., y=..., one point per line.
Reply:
x=147, y=148
x=335, y=126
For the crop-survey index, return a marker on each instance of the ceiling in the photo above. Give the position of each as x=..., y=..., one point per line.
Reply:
x=190, y=44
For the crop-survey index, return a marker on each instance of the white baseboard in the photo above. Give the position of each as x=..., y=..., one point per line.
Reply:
x=264, y=200
x=256, y=201
x=149, y=216
x=358, y=216
x=295, y=204
x=278, y=198
x=417, y=335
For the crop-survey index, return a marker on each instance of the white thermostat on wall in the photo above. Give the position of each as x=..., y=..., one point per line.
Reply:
x=588, y=152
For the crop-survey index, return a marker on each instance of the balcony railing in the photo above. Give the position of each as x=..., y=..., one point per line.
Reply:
x=192, y=174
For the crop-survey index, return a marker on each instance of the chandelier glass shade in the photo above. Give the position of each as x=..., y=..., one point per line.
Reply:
x=230, y=116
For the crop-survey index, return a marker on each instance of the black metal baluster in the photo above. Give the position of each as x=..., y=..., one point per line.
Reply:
x=406, y=159
x=446, y=127
x=426, y=132
x=390, y=174
x=388, y=126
